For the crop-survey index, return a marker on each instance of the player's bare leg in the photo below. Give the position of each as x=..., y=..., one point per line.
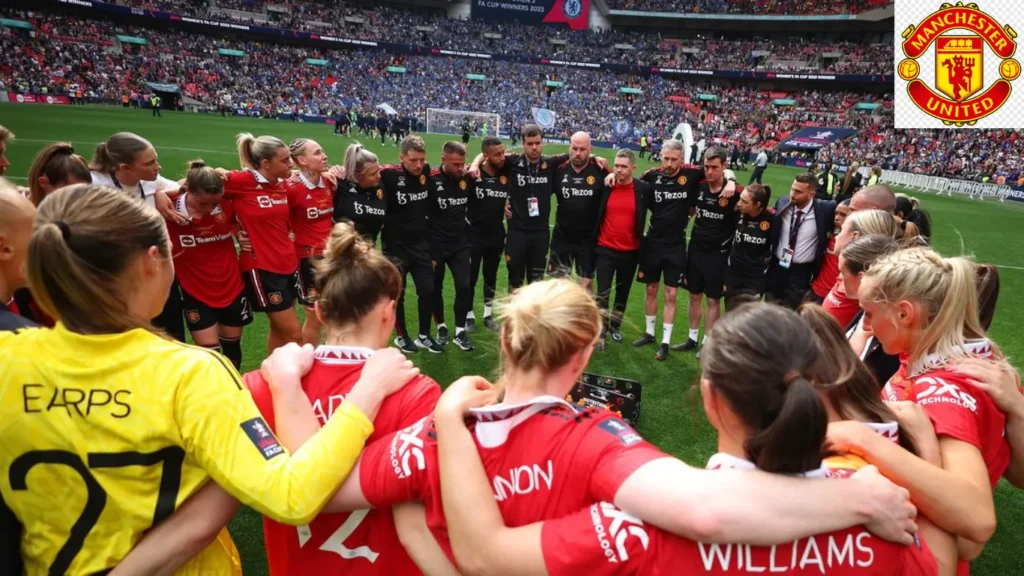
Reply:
x=650, y=309
x=311, y=328
x=668, y=319
x=696, y=312
x=284, y=328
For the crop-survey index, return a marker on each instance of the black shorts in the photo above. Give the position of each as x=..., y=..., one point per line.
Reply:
x=705, y=272
x=659, y=261
x=738, y=282
x=270, y=292
x=200, y=316
x=569, y=253
x=307, y=280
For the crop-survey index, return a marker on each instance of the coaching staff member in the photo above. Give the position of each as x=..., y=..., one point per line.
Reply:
x=485, y=215
x=751, y=247
x=801, y=228
x=450, y=240
x=407, y=191
x=578, y=185
x=714, y=226
x=531, y=178
x=621, y=215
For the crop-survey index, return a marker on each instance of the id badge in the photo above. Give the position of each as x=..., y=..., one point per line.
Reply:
x=533, y=207
x=787, y=258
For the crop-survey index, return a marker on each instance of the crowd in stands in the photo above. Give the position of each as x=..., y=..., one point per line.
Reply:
x=750, y=6
x=405, y=26
x=64, y=54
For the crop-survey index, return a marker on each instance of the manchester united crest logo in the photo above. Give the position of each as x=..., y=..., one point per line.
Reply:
x=591, y=180
x=220, y=218
x=462, y=184
x=959, y=96
x=681, y=180
x=508, y=258
x=543, y=165
x=192, y=316
x=503, y=180
x=275, y=298
x=423, y=179
x=380, y=194
x=312, y=294
x=723, y=202
x=640, y=276
x=765, y=225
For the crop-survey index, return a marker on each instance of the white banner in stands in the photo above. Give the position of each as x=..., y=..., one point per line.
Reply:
x=684, y=134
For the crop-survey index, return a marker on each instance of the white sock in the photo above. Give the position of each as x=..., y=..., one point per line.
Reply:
x=704, y=340
x=694, y=334
x=459, y=331
x=442, y=325
x=666, y=337
x=650, y=324
x=424, y=336
x=469, y=315
x=487, y=311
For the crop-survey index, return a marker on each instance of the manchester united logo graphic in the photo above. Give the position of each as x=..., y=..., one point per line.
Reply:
x=462, y=184
x=640, y=276
x=275, y=297
x=312, y=294
x=433, y=264
x=423, y=179
x=380, y=194
x=765, y=225
x=503, y=180
x=508, y=258
x=681, y=180
x=192, y=316
x=543, y=165
x=960, y=97
x=723, y=202
x=591, y=180
x=220, y=218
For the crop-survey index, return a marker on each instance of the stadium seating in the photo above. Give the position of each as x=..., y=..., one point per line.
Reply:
x=437, y=31
x=72, y=52
x=749, y=6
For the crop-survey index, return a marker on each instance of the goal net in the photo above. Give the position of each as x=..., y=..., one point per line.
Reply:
x=440, y=121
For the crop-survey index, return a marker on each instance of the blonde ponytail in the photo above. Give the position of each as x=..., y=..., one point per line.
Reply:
x=545, y=323
x=252, y=150
x=357, y=160
x=946, y=290
x=85, y=238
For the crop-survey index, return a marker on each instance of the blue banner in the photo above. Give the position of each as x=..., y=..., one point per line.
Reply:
x=544, y=118
x=328, y=40
x=815, y=138
x=622, y=129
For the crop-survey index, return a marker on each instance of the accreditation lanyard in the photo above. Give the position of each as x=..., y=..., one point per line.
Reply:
x=142, y=193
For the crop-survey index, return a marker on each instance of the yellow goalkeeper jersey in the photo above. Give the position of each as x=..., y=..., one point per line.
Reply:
x=104, y=436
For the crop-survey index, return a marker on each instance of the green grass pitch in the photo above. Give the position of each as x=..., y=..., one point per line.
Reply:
x=672, y=415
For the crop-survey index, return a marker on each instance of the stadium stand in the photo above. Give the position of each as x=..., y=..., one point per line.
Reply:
x=68, y=53
x=749, y=6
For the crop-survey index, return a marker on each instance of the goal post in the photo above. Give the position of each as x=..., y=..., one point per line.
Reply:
x=443, y=121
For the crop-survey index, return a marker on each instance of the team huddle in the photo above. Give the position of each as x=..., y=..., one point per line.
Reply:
x=128, y=451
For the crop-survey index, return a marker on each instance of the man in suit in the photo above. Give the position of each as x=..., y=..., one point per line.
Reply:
x=621, y=215
x=801, y=230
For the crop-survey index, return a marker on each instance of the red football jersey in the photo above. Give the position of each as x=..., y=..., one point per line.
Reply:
x=262, y=210
x=839, y=305
x=359, y=542
x=312, y=211
x=603, y=540
x=829, y=272
x=545, y=459
x=205, y=260
x=956, y=408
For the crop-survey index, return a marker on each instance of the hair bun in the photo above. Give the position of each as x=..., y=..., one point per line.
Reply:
x=196, y=164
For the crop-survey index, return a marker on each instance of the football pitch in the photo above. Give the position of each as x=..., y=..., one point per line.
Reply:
x=672, y=415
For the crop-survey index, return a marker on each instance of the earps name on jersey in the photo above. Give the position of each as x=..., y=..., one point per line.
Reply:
x=941, y=392
x=620, y=529
x=407, y=448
